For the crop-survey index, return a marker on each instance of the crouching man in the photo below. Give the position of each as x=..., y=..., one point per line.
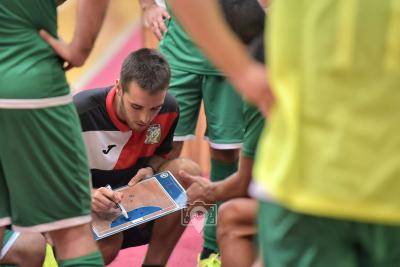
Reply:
x=128, y=130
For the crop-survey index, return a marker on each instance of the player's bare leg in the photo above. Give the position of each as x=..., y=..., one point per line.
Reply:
x=110, y=247
x=235, y=232
x=167, y=230
x=2, y=229
x=73, y=242
x=225, y=155
x=28, y=251
x=224, y=162
x=166, y=233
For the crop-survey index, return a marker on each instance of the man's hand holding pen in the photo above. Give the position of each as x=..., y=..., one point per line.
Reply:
x=105, y=200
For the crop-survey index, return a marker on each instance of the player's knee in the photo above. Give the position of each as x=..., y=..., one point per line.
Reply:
x=225, y=155
x=176, y=150
x=185, y=164
x=73, y=242
x=110, y=247
x=30, y=246
x=228, y=214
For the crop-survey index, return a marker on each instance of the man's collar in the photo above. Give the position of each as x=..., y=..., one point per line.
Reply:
x=123, y=127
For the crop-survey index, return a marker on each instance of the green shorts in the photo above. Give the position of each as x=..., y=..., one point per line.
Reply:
x=44, y=174
x=253, y=124
x=293, y=239
x=9, y=239
x=223, y=108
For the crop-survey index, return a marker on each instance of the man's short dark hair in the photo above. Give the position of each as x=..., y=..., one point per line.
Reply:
x=245, y=17
x=148, y=68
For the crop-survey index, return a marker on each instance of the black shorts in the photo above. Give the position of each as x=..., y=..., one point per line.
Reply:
x=137, y=236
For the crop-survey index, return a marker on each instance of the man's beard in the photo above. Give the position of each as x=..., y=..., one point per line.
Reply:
x=122, y=108
x=123, y=113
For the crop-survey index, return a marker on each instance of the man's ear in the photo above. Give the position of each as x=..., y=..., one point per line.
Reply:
x=118, y=87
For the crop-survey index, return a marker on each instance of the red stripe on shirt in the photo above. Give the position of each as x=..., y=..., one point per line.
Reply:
x=111, y=112
x=135, y=148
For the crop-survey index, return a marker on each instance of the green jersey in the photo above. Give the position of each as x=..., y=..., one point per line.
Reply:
x=29, y=68
x=332, y=143
x=181, y=52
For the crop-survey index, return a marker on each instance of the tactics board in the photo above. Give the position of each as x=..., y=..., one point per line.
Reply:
x=149, y=199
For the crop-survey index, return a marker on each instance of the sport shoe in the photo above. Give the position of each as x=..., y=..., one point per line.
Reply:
x=50, y=260
x=212, y=261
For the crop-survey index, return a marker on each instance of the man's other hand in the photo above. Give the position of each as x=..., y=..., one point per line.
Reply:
x=200, y=189
x=142, y=174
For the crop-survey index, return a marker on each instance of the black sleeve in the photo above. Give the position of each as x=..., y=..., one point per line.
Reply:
x=91, y=108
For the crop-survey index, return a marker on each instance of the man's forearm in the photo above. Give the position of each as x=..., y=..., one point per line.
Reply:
x=235, y=185
x=226, y=189
x=89, y=19
x=229, y=188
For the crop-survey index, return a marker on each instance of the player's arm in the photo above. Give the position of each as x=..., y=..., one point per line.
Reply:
x=237, y=184
x=204, y=21
x=89, y=18
x=153, y=17
x=233, y=186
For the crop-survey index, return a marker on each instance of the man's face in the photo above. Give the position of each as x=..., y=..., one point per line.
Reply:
x=138, y=107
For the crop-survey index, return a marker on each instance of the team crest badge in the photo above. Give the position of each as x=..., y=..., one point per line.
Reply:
x=153, y=135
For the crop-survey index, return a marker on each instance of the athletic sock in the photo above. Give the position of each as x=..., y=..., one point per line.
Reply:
x=92, y=260
x=219, y=171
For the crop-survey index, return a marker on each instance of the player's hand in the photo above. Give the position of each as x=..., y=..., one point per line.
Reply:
x=142, y=174
x=153, y=18
x=253, y=85
x=104, y=199
x=72, y=54
x=200, y=189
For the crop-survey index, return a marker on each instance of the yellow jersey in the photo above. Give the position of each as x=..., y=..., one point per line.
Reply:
x=332, y=145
